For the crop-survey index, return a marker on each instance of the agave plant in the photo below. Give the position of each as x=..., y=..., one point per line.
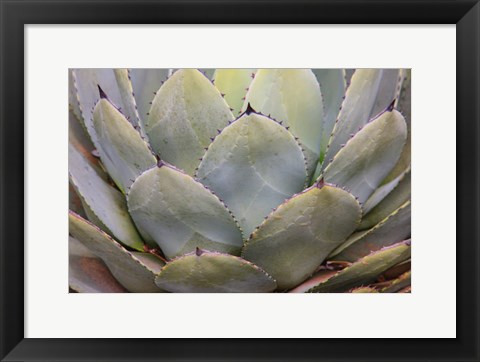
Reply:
x=239, y=180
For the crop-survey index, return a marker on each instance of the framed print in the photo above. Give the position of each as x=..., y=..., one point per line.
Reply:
x=236, y=174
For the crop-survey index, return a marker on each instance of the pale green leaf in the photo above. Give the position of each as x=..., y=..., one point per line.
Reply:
x=332, y=87
x=207, y=272
x=295, y=239
x=122, y=150
x=365, y=270
x=86, y=83
x=129, y=107
x=72, y=97
x=253, y=165
x=356, y=109
x=394, y=228
x=234, y=84
x=106, y=202
x=291, y=96
x=404, y=106
x=387, y=90
x=208, y=72
x=391, y=200
x=180, y=214
x=369, y=156
x=185, y=115
x=135, y=276
x=145, y=83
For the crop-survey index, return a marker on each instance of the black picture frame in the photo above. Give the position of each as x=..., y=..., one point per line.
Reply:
x=15, y=14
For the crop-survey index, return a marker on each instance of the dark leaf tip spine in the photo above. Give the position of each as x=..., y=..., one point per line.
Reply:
x=249, y=109
x=102, y=93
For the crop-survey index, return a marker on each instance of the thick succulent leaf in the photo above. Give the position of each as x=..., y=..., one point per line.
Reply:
x=316, y=279
x=291, y=96
x=185, y=115
x=295, y=239
x=254, y=165
x=72, y=96
x=332, y=87
x=395, y=198
x=369, y=156
x=401, y=282
x=234, y=84
x=86, y=83
x=129, y=108
x=87, y=273
x=152, y=262
x=79, y=138
x=135, y=276
x=384, y=190
x=365, y=270
x=364, y=290
x=387, y=90
x=122, y=150
x=396, y=227
x=145, y=83
x=207, y=272
x=208, y=72
x=180, y=214
x=356, y=108
x=404, y=106
x=106, y=202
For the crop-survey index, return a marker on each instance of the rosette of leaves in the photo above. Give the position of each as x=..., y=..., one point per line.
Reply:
x=239, y=180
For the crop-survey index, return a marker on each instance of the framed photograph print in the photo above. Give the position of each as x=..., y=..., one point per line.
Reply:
x=239, y=180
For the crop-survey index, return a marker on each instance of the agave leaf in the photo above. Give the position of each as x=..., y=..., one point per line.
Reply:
x=87, y=273
x=387, y=90
x=332, y=87
x=401, y=282
x=106, y=202
x=365, y=270
x=90, y=216
x=356, y=109
x=86, y=83
x=79, y=138
x=185, y=115
x=129, y=108
x=291, y=96
x=253, y=165
x=295, y=239
x=316, y=279
x=234, y=84
x=135, y=276
x=207, y=272
x=180, y=214
x=122, y=150
x=369, y=156
x=208, y=72
x=397, y=196
x=152, y=262
x=404, y=106
x=396, y=227
x=384, y=190
x=72, y=96
x=364, y=290
x=145, y=83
